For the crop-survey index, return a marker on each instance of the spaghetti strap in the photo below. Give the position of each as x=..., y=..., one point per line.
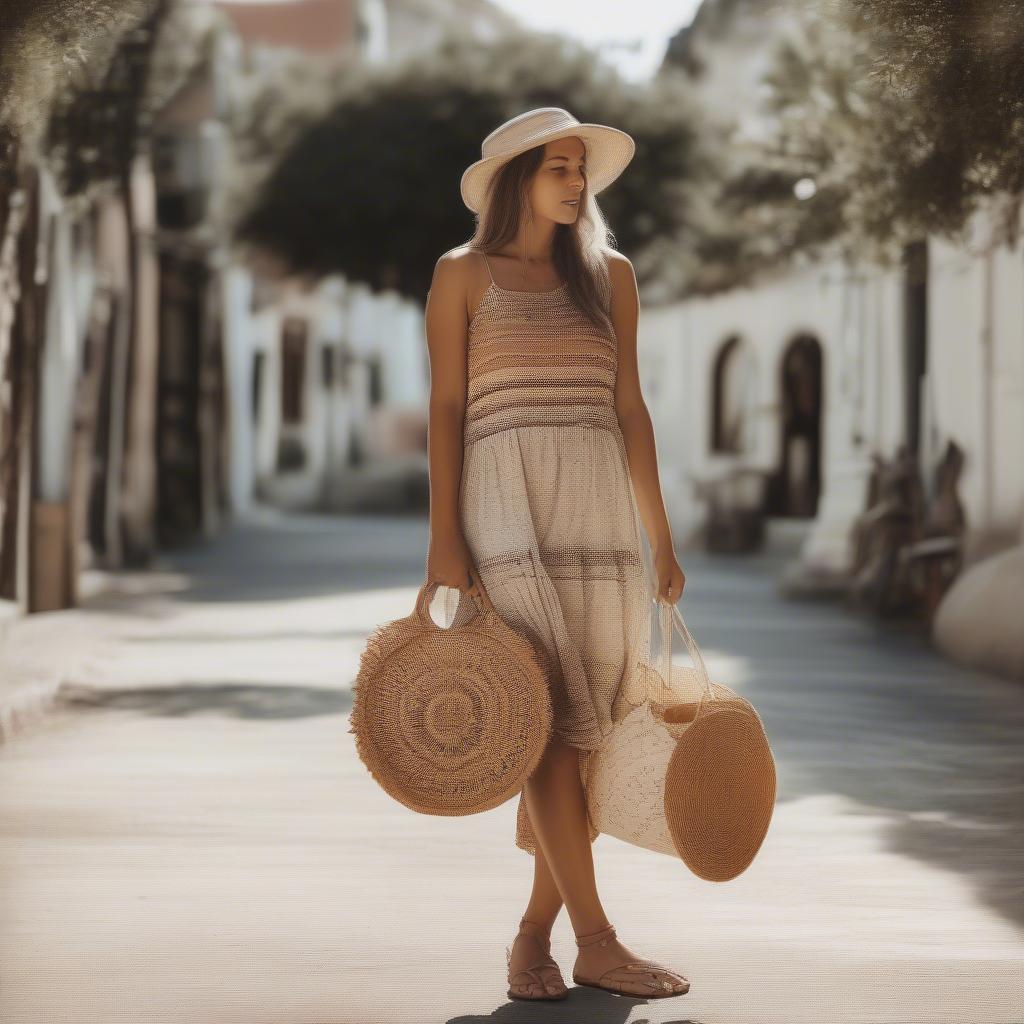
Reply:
x=488, y=267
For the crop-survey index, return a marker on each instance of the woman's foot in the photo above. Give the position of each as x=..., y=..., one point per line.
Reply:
x=604, y=962
x=532, y=973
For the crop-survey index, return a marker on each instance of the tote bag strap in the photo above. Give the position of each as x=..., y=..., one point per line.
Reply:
x=476, y=592
x=669, y=614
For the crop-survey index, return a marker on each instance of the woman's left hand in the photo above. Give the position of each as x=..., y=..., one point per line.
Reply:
x=671, y=578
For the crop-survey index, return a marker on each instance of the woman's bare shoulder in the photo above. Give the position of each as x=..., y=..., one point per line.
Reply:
x=618, y=263
x=621, y=276
x=456, y=277
x=457, y=263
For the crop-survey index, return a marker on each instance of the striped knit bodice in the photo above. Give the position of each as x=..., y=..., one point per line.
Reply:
x=534, y=359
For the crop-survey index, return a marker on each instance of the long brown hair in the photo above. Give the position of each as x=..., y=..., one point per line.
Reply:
x=577, y=250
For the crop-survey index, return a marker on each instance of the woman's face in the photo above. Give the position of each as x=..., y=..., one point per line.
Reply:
x=560, y=177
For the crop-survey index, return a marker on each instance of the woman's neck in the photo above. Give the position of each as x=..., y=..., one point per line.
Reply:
x=535, y=242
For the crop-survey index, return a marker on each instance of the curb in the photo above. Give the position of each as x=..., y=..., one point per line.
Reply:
x=26, y=708
x=38, y=653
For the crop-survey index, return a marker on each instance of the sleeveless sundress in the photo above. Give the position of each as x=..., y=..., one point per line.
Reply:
x=548, y=509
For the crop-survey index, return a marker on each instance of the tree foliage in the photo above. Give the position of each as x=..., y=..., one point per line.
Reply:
x=371, y=188
x=905, y=114
x=270, y=110
x=45, y=46
x=954, y=69
x=103, y=116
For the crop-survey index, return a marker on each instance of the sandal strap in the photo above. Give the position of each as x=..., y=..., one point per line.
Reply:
x=541, y=937
x=591, y=937
x=533, y=971
x=534, y=977
x=535, y=968
x=639, y=967
x=535, y=929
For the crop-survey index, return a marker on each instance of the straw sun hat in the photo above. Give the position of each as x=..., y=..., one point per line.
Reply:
x=609, y=150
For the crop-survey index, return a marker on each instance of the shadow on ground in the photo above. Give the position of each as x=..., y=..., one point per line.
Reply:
x=234, y=700
x=595, y=1007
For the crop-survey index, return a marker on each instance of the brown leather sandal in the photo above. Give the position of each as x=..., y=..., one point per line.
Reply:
x=618, y=979
x=542, y=979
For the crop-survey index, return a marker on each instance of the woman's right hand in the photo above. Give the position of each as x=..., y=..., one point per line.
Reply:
x=450, y=562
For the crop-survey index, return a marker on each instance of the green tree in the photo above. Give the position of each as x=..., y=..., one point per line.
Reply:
x=45, y=46
x=904, y=114
x=953, y=71
x=371, y=188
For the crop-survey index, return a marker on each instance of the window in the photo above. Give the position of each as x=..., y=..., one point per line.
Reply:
x=293, y=368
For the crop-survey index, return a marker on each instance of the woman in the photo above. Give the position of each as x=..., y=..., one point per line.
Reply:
x=538, y=437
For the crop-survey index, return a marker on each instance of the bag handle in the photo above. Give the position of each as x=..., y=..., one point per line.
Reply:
x=476, y=591
x=669, y=614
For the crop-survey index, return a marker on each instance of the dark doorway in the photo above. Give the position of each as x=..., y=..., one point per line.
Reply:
x=294, y=336
x=179, y=458
x=796, y=486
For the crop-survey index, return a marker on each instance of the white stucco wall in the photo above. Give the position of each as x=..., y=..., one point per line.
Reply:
x=855, y=317
x=236, y=301
x=973, y=392
x=976, y=362
x=61, y=351
x=380, y=328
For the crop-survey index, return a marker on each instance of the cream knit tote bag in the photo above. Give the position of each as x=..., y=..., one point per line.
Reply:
x=688, y=773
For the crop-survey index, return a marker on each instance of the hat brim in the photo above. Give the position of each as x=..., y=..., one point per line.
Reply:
x=609, y=152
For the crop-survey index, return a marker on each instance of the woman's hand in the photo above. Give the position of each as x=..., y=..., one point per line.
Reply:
x=671, y=578
x=450, y=562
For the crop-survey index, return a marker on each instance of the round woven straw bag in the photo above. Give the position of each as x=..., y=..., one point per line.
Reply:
x=688, y=773
x=451, y=720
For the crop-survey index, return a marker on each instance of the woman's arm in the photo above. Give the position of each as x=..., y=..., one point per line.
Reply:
x=637, y=429
x=447, y=327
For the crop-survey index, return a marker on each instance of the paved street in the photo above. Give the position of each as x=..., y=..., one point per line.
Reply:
x=191, y=837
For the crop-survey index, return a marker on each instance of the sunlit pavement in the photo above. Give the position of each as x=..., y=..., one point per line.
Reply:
x=191, y=837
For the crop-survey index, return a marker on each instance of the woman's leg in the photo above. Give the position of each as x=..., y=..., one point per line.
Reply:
x=545, y=899
x=545, y=903
x=552, y=785
x=557, y=807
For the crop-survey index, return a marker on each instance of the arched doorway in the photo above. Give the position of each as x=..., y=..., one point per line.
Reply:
x=797, y=484
x=732, y=398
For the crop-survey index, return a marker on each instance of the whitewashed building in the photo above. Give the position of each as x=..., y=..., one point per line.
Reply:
x=800, y=378
x=339, y=380
x=715, y=372
x=328, y=382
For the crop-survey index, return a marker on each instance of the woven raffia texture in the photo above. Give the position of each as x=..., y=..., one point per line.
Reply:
x=689, y=774
x=548, y=510
x=450, y=720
